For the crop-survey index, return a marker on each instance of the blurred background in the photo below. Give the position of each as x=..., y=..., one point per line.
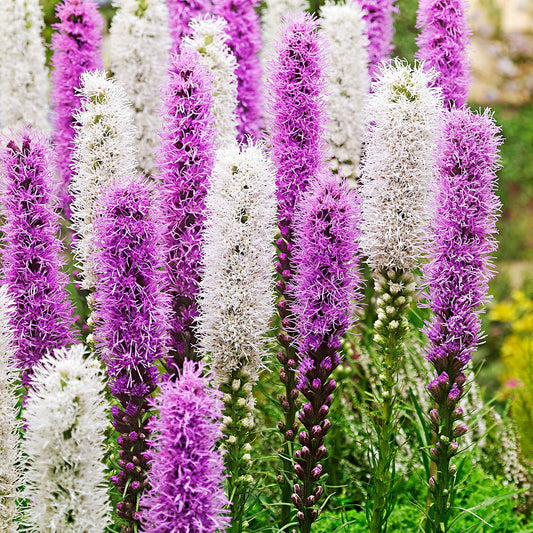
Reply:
x=502, y=69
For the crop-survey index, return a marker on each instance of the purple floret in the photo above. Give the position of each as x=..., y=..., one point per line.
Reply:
x=32, y=255
x=326, y=288
x=244, y=30
x=185, y=163
x=443, y=44
x=187, y=470
x=180, y=13
x=379, y=19
x=130, y=325
x=76, y=45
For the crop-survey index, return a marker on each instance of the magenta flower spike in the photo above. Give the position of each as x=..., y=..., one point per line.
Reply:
x=326, y=288
x=76, y=45
x=244, y=30
x=180, y=13
x=457, y=279
x=130, y=326
x=187, y=470
x=31, y=259
x=185, y=163
x=297, y=107
x=379, y=18
x=443, y=44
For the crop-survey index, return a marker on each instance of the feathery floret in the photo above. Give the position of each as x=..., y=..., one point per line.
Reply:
x=76, y=45
x=32, y=254
x=185, y=163
x=244, y=31
x=180, y=14
x=64, y=443
x=443, y=44
x=399, y=169
x=348, y=83
x=23, y=72
x=187, y=471
x=379, y=18
x=457, y=276
x=10, y=474
x=209, y=38
x=297, y=102
x=326, y=288
x=236, y=299
x=104, y=152
x=130, y=325
x=272, y=21
x=139, y=47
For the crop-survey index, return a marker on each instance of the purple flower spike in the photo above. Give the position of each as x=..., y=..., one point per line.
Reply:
x=185, y=162
x=187, y=471
x=379, y=18
x=32, y=255
x=180, y=13
x=130, y=324
x=76, y=46
x=244, y=30
x=458, y=274
x=326, y=286
x=443, y=44
x=297, y=103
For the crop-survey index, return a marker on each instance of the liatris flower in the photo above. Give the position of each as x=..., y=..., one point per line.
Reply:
x=326, y=286
x=64, y=443
x=457, y=279
x=378, y=15
x=244, y=31
x=23, y=73
x=272, y=17
x=209, y=39
x=396, y=181
x=345, y=30
x=187, y=471
x=10, y=475
x=76, y=45
x=130, y=326
x=32, y=254
x=139, y=47
x=104, y=152
x=297, y=104
x=185, y=164
x=180, y=14
x=236, y=299
x=442, y=46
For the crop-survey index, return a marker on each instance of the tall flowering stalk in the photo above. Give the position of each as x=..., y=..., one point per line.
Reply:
x=209, y=38
x=32, y=253
x=443, y=44
x=23, y=72
x=326, y=287
x=104, y=153
x=396, y=180
x=64, y=444
x=185, y=163
x=236, y=300
x=379, y=18
x=457, y=279
x=348, y=83
x=244, y=30
x=180, y=14
x=297, y=106
x=139, y=47
x=187, y=471
x=130, y=327
x=76, y=45
x=272, y=22
x=10, y=474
